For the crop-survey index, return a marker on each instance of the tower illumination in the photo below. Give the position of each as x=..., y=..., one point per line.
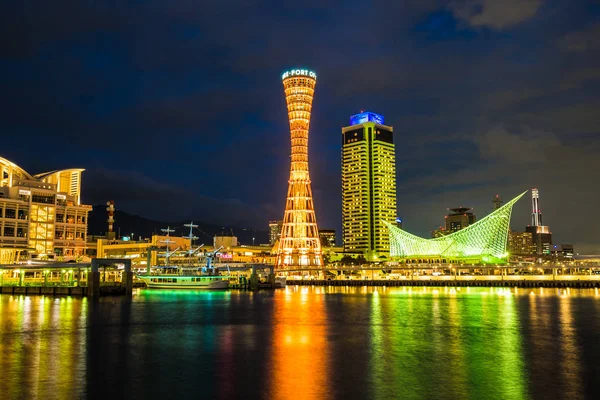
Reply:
x=536, y=214
x=299, y=245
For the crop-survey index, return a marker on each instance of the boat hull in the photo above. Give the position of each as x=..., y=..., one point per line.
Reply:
x=191, y=283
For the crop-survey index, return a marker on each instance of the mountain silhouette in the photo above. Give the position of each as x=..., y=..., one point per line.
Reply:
x=127, y=224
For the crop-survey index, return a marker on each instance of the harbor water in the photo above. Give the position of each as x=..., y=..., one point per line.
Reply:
x=304, y=343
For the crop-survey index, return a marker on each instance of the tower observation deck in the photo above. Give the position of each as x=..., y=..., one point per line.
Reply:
x=299, y=244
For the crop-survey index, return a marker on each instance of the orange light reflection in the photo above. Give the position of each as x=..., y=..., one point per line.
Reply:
x=300, y=352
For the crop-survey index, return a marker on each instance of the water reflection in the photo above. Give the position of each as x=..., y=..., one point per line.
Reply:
x=42, y=341
x=570, y=368
x=299, y=348
x=304, y=343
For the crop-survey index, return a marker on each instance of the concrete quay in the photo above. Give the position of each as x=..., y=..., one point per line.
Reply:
x=524, y=283
x=100, y=277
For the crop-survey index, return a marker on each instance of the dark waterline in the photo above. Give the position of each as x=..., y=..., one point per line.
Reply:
x=304, y=342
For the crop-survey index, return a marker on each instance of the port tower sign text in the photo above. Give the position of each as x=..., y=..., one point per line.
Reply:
x=298, y=72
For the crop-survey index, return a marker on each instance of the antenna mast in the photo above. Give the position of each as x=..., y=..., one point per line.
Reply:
x=167, y=242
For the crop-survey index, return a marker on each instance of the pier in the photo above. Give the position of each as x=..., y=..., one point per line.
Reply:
x=482, y=282
x=530, y=275
x=114, y=276
x=102, y=276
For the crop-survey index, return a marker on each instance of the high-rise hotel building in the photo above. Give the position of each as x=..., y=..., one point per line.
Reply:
x=41, y=215
x=368, y=185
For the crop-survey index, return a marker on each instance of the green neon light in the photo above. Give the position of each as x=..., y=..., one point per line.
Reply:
x=182, y=277
x=485, y=239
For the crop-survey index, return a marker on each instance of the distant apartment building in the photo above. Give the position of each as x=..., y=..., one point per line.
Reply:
x=368, y=185
x=41, y=215
x=562, y=251
x=542, y=238
x=275, y=231
x=520, y=244
x=327, y=237
x=225, y=241
x=459, y=218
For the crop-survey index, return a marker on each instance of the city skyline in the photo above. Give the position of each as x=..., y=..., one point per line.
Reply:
x=157, y=125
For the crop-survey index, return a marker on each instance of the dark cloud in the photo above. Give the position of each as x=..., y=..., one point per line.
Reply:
x=495, y=14
x=582, y=41
x=176, y=109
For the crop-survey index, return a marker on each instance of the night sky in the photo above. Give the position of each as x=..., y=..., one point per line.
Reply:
x=176, y=108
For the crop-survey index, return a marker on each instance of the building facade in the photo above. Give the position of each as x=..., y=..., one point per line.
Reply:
x=542, y=239
x=368, y=185
x=327, y=237
x=520, y=244
x=41, y=215
x=542, y=236
x=154, y=250
x=275, y=231
x=562, y=251
x=459, y=218
x=225, y=241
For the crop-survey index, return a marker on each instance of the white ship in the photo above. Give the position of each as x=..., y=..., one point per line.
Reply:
x=207, y=277
x=185, y=282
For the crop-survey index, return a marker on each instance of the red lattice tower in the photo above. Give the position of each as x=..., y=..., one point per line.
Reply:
x=299, y=244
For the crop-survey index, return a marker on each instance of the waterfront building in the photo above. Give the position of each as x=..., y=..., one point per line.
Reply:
x=275, y=231
x=327, y=237
x=520, y=244
x=482, y=242
x=562, y=251
x=542, y=236
x=41, y=215
x=225, y=241
x=155, y=247
x=299, y=244
x=368, y=185
x=542, y=239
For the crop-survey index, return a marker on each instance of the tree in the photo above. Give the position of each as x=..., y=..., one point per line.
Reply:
x=348, y=260
x=360, y=260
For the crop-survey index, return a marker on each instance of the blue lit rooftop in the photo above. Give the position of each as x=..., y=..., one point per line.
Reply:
x=366, y=116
